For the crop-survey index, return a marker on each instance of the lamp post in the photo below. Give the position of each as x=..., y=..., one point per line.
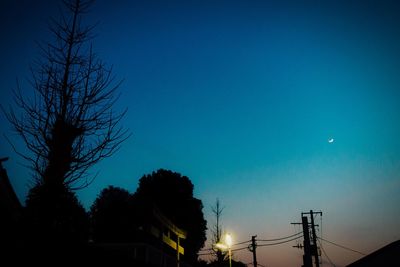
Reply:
x=226, y=246
x=228, y=241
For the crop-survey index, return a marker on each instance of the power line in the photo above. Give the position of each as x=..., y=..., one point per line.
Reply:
x=296, y=236
x=248, y=241
x=212, y=253
x=261, y=240
x=240, y=243
x=278, y=243
x=281, y=238
x=262, y=245
x=237, y=249
x=356, y=251
x=326, y=255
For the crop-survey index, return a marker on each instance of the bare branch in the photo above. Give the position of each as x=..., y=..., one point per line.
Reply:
x=68, y=125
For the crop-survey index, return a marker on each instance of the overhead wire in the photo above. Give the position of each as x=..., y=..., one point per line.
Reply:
x=258, y=245
x=278, y=243
x=240, y=243
x=296, y=236
x=281, y=238
x=350, y=249
x=237, y=249
x=244, y=242
x=212, y=252
x=326, y=255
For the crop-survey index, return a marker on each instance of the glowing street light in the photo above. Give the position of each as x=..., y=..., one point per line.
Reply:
x=228, y=241
x=226, y=246
x=221, y=246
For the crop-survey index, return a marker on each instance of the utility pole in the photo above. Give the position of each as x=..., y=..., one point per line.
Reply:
x=254, y=245
x=307, y=261
x=310, y=248
x=314, y=247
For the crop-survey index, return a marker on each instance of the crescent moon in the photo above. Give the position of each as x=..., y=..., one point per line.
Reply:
x=331, y=140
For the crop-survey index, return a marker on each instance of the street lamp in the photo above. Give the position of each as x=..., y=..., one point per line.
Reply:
x=228, y=241
x=226, y=246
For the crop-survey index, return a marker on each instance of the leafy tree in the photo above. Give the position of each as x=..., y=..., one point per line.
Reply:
x=54, y=217
x=172, y=193
x=69, y=124
x=112, y=216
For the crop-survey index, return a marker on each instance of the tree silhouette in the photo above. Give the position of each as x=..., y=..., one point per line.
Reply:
x=69, y=124
x=113, y=216
x=55, y=227
x=55, y=217
x=172, y=193
x=216, y=230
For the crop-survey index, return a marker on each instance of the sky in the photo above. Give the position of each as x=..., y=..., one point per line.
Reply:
x=242, y=97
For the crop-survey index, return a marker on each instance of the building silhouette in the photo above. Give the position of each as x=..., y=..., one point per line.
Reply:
x=158, y=242
x=11, y=238
x=388, y=256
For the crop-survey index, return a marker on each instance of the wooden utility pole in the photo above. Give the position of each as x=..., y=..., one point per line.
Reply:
x=254, y=246
x=310, y=242
x=313, y=248
x=307, y=261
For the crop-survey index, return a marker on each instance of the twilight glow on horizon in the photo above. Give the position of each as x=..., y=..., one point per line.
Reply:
x=274, y=107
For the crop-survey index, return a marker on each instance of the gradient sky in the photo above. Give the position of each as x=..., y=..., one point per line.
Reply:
x=242, y=97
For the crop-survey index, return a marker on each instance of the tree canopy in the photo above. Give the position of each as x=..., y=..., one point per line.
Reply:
x=116, y=214
x=112, y=215
x=54, y=216
x=172, y=193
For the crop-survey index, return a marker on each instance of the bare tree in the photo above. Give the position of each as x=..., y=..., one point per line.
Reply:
x=216, y=230
x=69, y=124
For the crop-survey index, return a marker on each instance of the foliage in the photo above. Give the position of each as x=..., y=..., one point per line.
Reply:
x=112, y=215
x=172, y=193
x=54, y=216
